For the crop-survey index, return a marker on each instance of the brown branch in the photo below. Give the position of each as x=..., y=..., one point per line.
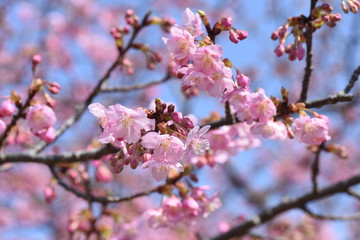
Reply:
x=89, y=197
x=80, y=156
x=353, y=194
x=111, y=199
x=339, y=97
x=315, y=169
x=299, y=202
x=309, y=54
x=80, y=109
x=136, y=87
x=353, y=79
x=352, y=217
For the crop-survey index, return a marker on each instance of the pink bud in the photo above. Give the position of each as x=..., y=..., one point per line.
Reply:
x=233, y=36
x=275, y=35
x=300, y=53
x=54, y=87
x=226, y=21
x=242, y=34
x=335, y=17
x=7, y=108
x=279, y=50
x=49, y=193
x=325, y=18
x=36, y=59
x=176, y=117
x=103, y=173
x=47, y=135
x=242, y=80
x=187, y=123
x=283, y=30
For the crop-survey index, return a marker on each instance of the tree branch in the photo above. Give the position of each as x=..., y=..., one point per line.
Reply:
x=315, y=169
x=353, y=79
x=299, y=202
x=353, y=217
x=80, y=156
x=136, y=87
x=80, y=109
x=309, y=54
x=89, y=197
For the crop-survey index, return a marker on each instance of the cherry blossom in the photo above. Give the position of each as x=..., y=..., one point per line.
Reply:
x=312, y=131
x=40, y=117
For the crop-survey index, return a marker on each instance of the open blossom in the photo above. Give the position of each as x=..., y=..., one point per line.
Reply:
x=192, y=23
x=311, y=130
x=239, y=99
x=208, y=59
x=181, y=44
x=168, y=151
x=120, y=123
x=270, y=129
x=261, y=106
x=40, y=117
x=195, y=144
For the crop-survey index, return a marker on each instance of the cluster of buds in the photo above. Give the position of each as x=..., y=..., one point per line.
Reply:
x=77, y=174
x=353, y=5
x=131, y=18
x=225, y=24
x=152, y=57
x=299, y=25
x=164, y=23
x=187, y=208
x=118, y=33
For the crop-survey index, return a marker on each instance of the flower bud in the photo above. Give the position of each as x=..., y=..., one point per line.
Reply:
x=53, y=87
x=7, y=108
x=103, y=173
x=49, y=193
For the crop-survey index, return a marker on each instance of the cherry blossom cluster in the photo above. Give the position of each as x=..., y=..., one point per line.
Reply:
x=200, y=61
x=160, y=139
x=201, y=66
x=320, y=16
x=175, y=210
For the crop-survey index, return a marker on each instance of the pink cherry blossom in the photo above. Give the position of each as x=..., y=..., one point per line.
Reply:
x=181, y=44
x=40, y=117
x=121, y=123
x=195, y=144
x=192, y=23
x=208, y=59
x=270, y=129
x=312, y=131
x=98, y=110
x=261, y=106
x=168, y=151
x=7, y=108
x=220, y=81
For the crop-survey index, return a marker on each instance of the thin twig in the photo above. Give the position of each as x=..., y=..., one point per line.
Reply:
x=270, y=213
x=353, y=79
x=353, y=194
x=352, y=217
x=309, y=54
x=136, y=87
x=89, y=197
x=315, y=169
x=333, y=99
